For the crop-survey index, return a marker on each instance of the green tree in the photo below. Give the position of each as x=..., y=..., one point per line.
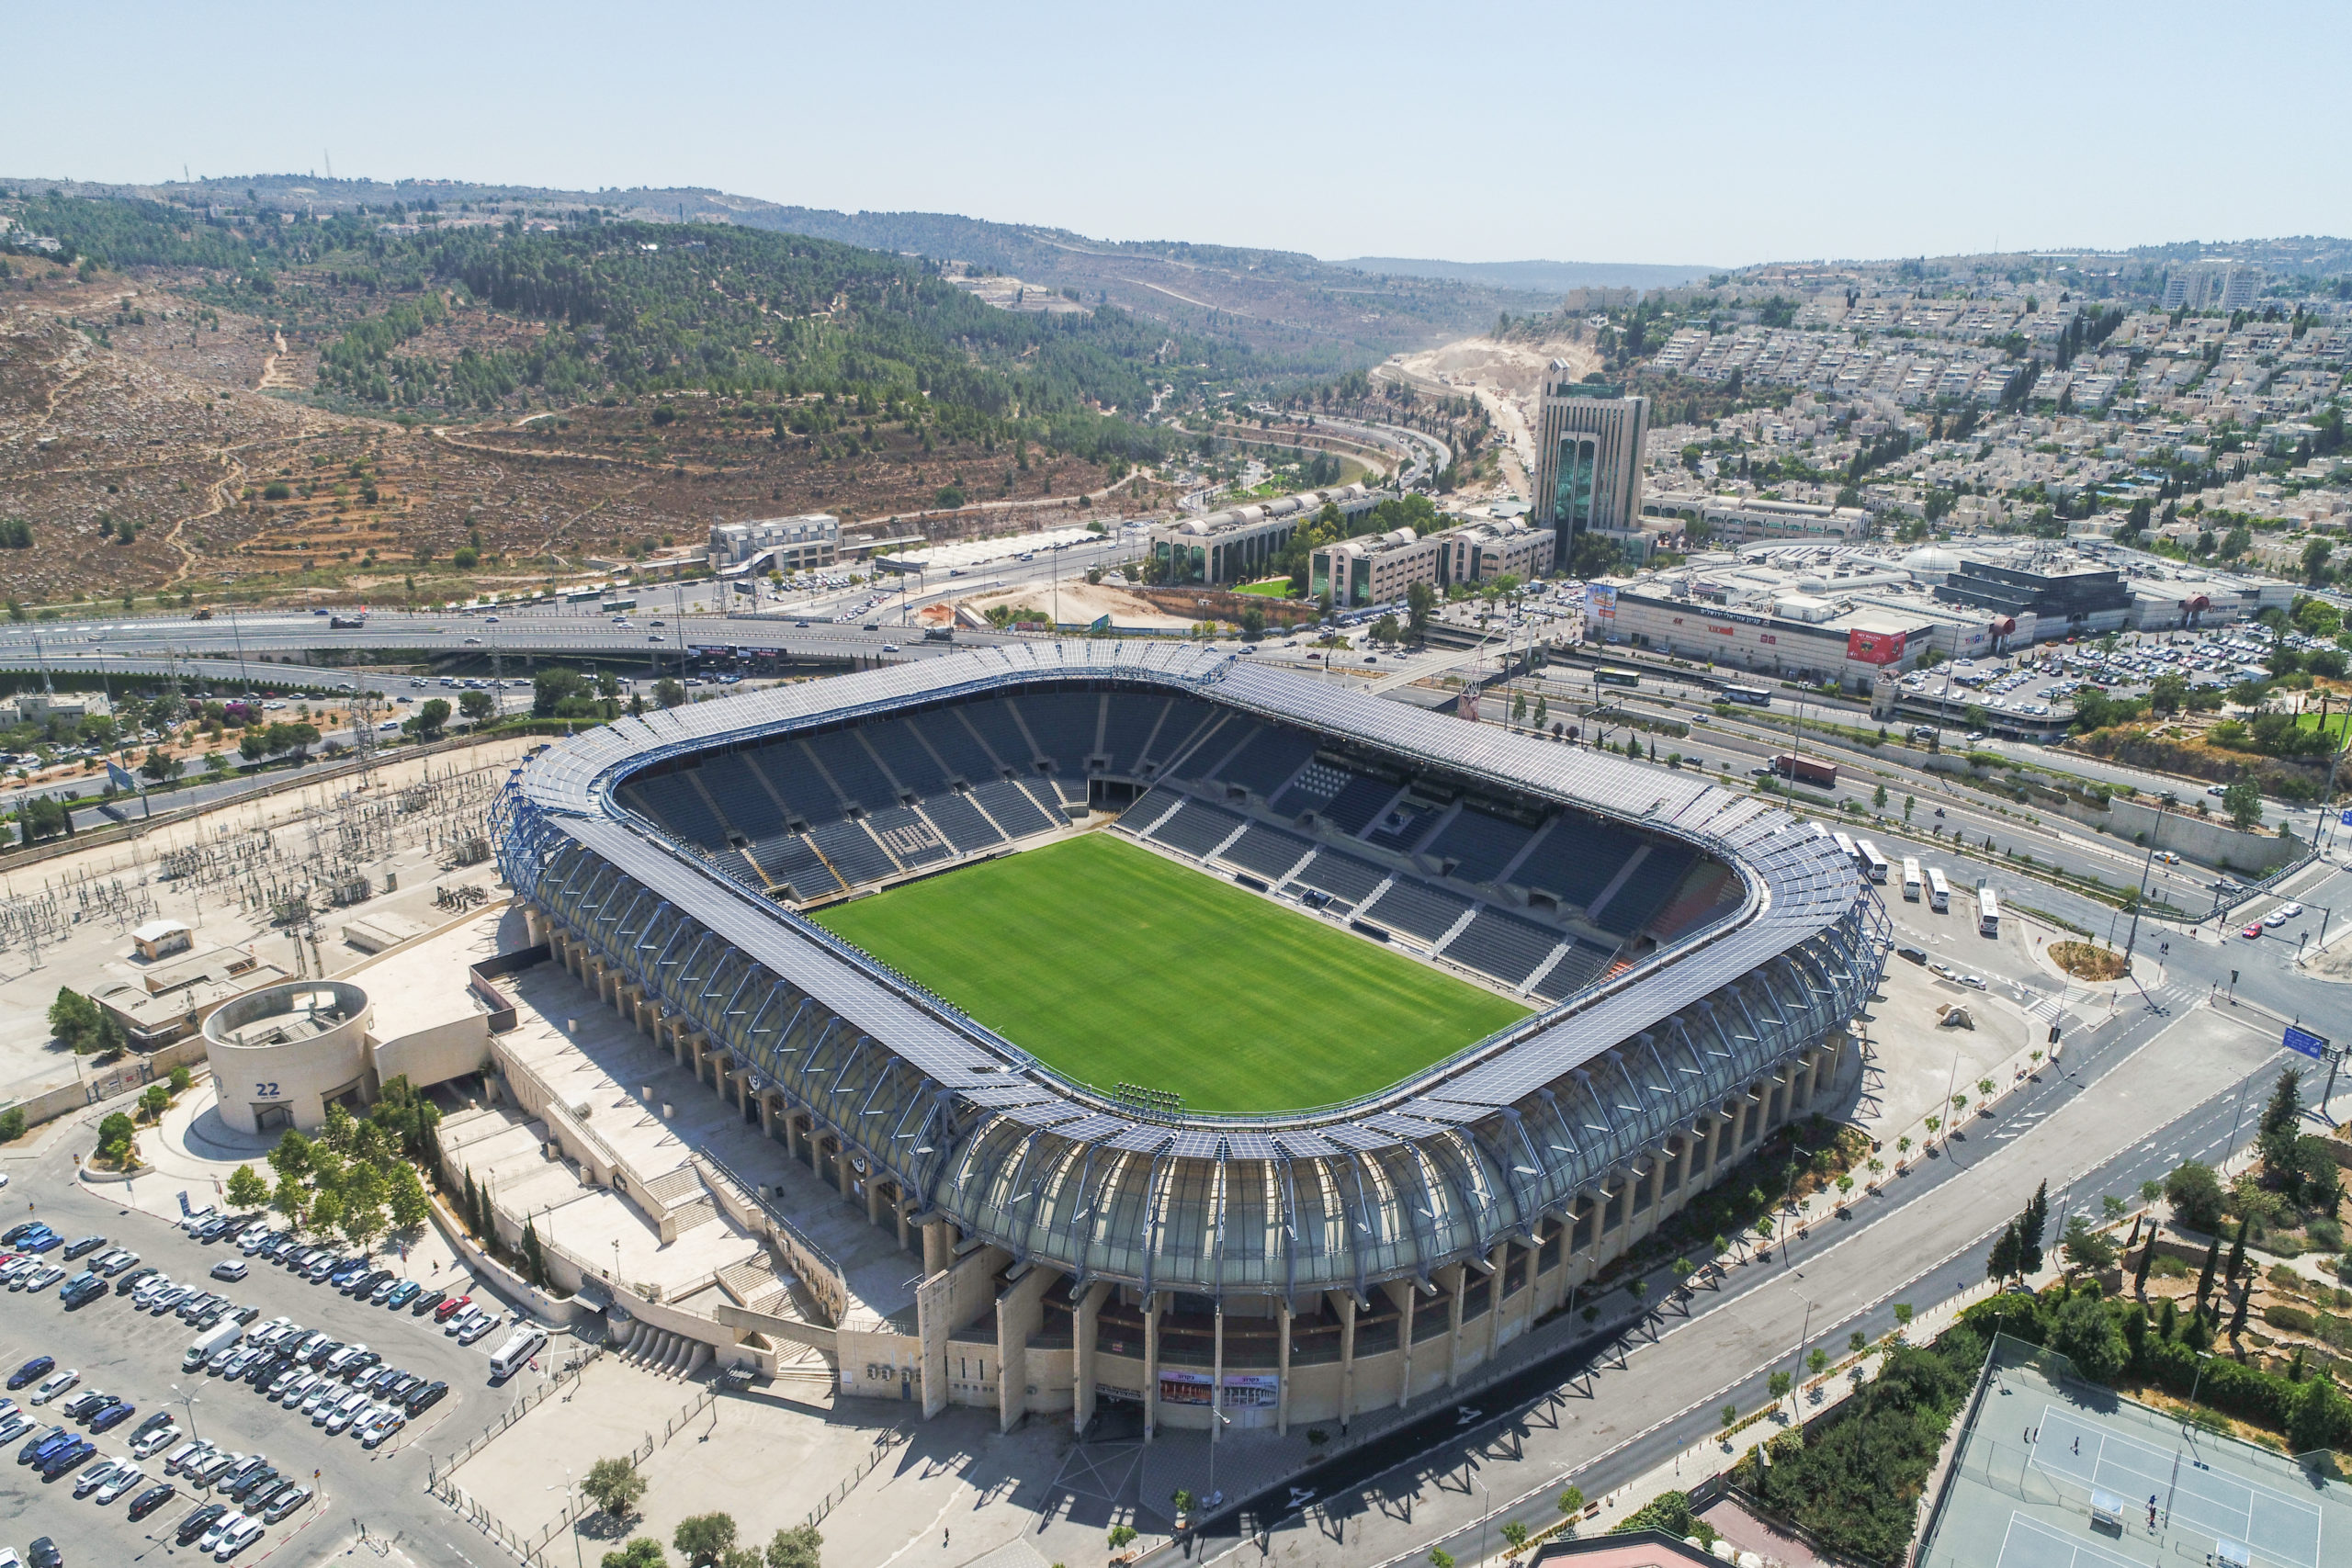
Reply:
x=291, y=1199
x=1441, y=1558
x=1571, y=1502
x=1122, y=1536
x=2003, y=1263
x=431, y=719
x=642, y=1552
x=162, y=766
x=154, y=1101
x=406, y=1200
x=2087, y=1249
x=2195, y=1194
x=291, y=1157
x=668, y=694
x=799, y=1547
x=704, y=1539
x=1514, y=1535
x=2242, y=801
x=613, y=1485
x=115, y=1135
x=535, y=1263
x=1420, y=602
x=2319, y=1418
x=246, y=1189
x=2031, y=1225
x=1779, y=1384
x=2085, y=1332
x=477, y=706
x=74, y=1020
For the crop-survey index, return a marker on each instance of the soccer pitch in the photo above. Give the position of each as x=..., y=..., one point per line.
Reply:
x=1114, y=965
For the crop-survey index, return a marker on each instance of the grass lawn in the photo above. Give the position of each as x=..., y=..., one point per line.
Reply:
x=1271, y=587
x=1114, y=965
x=2337, y=721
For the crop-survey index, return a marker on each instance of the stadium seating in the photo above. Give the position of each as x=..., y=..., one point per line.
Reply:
x=1577, y=968
x=960, y=822
x=1502, y=945
x=803, y=790
x=1402, y=825
x=994, y=722
x=746, y=802
x=1128, y=726
x=1012, y=808
x=909, y=835
x=1196, y=830
x=1477, y=846
x=1352, y=810
x=1645, y=890
x=1268, y=852
x=1266, y=764
x=1312, y=789
x=1064, y=724
x=966, y=758
x=894, y=741
x=1577, y=859
x=1416, y=909
x=791, y=862
x=672, y=800
x=853, y=771
x=851, y=851
x=1343, y=877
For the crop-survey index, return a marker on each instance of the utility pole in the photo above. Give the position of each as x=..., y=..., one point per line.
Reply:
x=2146, y=867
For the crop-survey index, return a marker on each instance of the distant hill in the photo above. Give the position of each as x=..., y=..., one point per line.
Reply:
x=1298, y=315
x=1541, y=276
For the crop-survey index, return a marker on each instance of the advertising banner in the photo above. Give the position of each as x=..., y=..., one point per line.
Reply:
x=1874, y=647
x=1600, y=599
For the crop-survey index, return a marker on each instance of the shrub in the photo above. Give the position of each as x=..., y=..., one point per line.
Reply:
x=2293, y=1319
x=12, y=1124
x=2195, y=1195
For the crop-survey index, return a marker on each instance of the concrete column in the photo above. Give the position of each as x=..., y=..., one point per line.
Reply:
x=902, y=1207
x=1742, y=1108
x=938, y=1246
x=1453, y=1288
x=1151, y=1367
x=1089, y=1308
x=873, y=1200
x=1347, y=1360
x=1282, y=1372
x=842, y=1177
x=1406, y=1300
x=1500, y=1257
x=1714, y=1126
x=1657, y=1180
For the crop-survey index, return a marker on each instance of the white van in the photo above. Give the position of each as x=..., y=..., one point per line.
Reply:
x=526, y=1341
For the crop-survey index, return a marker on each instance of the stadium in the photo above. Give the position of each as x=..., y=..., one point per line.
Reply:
x=1227, y=1041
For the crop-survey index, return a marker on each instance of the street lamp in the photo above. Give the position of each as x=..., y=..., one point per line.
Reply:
x=1798, y=1356
x=568, y=1485
x=190, y=1400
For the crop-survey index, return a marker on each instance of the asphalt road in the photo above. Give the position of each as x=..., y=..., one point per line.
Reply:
x=137, y=1356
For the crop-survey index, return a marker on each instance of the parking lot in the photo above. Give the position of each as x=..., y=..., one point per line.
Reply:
x=136, y=1355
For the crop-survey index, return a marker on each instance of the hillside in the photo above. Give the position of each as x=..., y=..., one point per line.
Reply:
x=1316, y=317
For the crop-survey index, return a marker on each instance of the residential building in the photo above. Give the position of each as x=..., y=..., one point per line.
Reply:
x=1735, y=520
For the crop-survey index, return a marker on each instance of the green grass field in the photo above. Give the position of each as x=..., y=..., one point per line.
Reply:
x=1112, y=965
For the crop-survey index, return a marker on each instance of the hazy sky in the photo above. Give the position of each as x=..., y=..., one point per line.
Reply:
x=1690, y=133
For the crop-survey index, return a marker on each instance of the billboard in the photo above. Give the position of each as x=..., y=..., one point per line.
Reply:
x=1600, y=599
x=1874, y=647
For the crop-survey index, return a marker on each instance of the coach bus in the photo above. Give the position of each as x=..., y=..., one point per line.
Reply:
x=1606, y=676
x=1911, y=878
x=1873, y=862
x=1988, y=912
x=1845, y=847
x=586, y=596
x=1938, y=890
x=619, y=606
x=1754, y=696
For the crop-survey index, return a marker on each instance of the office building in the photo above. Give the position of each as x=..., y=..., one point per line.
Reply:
x=1239, y=544
x=785, y=544
x=1589, y=459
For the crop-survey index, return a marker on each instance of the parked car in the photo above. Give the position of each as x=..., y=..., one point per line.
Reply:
x=130, y=1283
x=401, y=1294
x=123, y=1480
x=427, y=1303
x=423, y=1399
x=38, y=1367
x=199, y=1521
x=155, y=1441
x=154, y=1498
x=230, y=1269
x=83, y=1247
x=113, y=1415
x=56, y=1384
x=286, y=1503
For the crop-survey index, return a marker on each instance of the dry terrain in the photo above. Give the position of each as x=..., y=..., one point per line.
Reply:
x=142, y=430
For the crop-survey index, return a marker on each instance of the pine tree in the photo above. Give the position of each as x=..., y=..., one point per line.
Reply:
x=2205, y=1275
x=2004, y=1262
x=2237, y=1253
x=2029, y=1226
x=2238, y=1318
x=473, y=1203
x=2147, y=1256
x=535, y=1264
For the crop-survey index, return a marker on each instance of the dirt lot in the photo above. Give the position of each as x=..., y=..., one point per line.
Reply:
x=1081, y=601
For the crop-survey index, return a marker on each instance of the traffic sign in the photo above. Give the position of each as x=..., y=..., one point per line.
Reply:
x=2305, y=1042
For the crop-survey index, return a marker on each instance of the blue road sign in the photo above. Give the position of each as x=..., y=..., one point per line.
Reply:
x=2306, y=1043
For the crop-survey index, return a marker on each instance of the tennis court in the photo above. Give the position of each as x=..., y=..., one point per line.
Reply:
x=2032, y=1545
x=2075, y=1445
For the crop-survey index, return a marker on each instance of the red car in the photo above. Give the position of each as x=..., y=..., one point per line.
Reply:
x=451, y=1308
x=2253, y=932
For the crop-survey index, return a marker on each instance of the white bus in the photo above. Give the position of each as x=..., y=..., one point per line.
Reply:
x=526, y=1341
x=1845, y=847
x=1988, y=912
x=1938, y=890
x=1873, y=862
x=1911, y=878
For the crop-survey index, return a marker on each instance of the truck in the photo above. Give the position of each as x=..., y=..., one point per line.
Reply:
x=346, y=622
x=1805, y=769
x=220, y=1337
x=939, y=634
